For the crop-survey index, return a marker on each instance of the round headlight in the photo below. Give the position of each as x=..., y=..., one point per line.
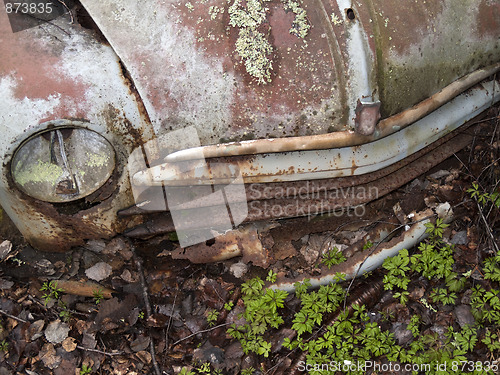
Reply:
x=63, y=164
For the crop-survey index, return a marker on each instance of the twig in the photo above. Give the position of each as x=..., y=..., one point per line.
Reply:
x=98, y=351
x=69, y=10
x=13, y=317
x=170, y=320
x=145, y=296
x=488, y=229
x=202, y=331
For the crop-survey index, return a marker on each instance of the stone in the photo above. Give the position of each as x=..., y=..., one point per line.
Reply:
x=99, y=271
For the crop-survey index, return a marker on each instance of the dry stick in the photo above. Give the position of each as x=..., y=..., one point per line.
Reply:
x=13, y=317
x=203, y=331
x=98, y=351
x=488, y=229
x=148, y=307
x=170, y=320
x=69, y=10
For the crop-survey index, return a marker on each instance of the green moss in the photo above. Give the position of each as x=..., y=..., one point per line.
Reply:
x=40, y=172
x=96, y=160
x=252, y=45
x=405, y=85
x=300, y=26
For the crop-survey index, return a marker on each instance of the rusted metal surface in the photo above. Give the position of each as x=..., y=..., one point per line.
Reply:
x=242, y=73
x=369, y=260
x=338, y=162
x=320, y=200
x=362, y=50
x=244, y=241
x=293, y=189
x=338, y=139
x=50, y=75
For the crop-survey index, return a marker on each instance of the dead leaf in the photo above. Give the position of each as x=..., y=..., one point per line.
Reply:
x=144, y=357
x=99, y=271
x=56, y=332
x=69, y=344
x=140, y=343
x=35, y=330
x=49, y=357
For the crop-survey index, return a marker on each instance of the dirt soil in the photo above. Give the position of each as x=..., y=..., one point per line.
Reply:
x=127, y=307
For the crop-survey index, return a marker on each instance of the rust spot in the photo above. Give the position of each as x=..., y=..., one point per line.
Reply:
x=353, y=167
x=367, y=116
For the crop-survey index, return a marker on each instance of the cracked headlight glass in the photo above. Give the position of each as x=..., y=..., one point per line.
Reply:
x=63, y=164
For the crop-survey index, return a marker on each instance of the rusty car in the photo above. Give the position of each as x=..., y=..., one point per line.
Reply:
x=244, y=105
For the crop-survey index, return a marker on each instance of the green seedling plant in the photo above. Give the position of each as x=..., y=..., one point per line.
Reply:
x=443, y=296
x=485, y=305
x=4, y=346
x=333, y=257
x=261, y=313
x=229, y=305
x=212, y=316
x=271, y=276
x=186, y=371
x=492, y=341
x=491, y=268
x=483, y=198
x=98, y=296
x=352, y=337
x=51, y=291
x=85, y=370
x=248, y=371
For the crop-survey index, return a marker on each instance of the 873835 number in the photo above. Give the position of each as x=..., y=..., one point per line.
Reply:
x=29, y=8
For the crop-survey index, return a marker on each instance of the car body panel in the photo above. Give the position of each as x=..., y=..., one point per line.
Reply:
x=153, y=67
x=182, y=58
x=60, y=75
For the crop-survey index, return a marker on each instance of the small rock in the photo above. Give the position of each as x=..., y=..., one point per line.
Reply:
x=99, y=271
x=116, y=245
x=460, y=238
x=444, y=210
x=439, y=174
x=89, y=341
x=464, y=315
x=96, y=246
x=401, y=334
x=238, y=269
x=209, y=353
x=128, y=277
x=45, y=267
x=56, y=332
x=5, y=284
x=5, y=248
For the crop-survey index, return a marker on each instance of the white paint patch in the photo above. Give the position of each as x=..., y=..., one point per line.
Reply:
x=190, y=88
x=361, y=61
x=17, y=115
x=97, y=67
